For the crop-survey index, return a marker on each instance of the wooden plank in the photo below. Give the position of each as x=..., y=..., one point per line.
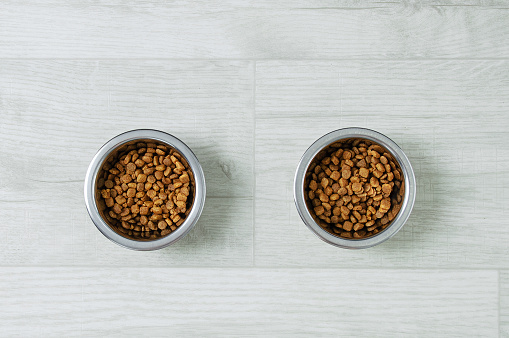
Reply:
x=56, y=115
x=254, y=29
x=449, y=117
x=286, y=302
x=504, y=303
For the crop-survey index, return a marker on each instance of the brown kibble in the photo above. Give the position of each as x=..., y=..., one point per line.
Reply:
x=143, y=220
x=347, y=226
x=126, y=178
x=139, y=163
x=364, y=172
x=131, y=167
x=109, y=202
x=386, y=188
x=358, y=226
x=324, y=183
x=117, y=208
x=162, y=225
x=319, y=210
x=109, y=184
x=141, y=178
x=357, y=187
x=397, y=175
x=346, y=174
x=135, y=209
x=361, y=163
x=151, y=193
x=184, y=178
x=349, y=185
x=144, y=210
x=342, y=191
x=158, y=175
x=385, y=204
x=120, y=199
x=335, y=175
x=131, y=192
x=323, y=197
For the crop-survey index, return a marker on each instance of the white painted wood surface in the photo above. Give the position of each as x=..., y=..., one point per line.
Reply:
x=249, y=85
x=285, y=302
x=451, y=119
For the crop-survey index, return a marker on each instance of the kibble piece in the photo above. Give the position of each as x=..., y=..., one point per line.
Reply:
x=162, y=225
x=120, y=199
x=109, y=202
x=151, y=193
x=319, y=210
x=131, y=192
x=335, y=175
x=385, y=204
x=126, y=178
x=324, y=183
x=334, y=197
x=141, y=178
x=346, y=174
x=347, y=225
x=131, y=167
x=356, y=187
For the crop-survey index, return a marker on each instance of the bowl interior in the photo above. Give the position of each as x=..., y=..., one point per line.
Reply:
x=110, y=160
x=320, y=155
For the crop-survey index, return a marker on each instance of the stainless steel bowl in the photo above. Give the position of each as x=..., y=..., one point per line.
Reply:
x=109, y=149
x=408, y=200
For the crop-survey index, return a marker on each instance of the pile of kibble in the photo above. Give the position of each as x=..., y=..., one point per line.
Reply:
x=146, y=190
x=354, y=188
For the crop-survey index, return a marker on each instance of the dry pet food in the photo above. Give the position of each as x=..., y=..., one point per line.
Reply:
x=146, y=191
x=354, y=188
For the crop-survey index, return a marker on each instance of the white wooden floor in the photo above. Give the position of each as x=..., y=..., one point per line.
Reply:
x=249, y=85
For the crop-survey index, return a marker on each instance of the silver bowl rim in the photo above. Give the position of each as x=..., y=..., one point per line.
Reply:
x=90, y=187
x=408, y=200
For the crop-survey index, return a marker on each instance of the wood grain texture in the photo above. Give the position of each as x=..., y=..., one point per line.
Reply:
x=504, y=303
x=450, y=118
x=219, y=302
x=254, y=29
x=56, y=115
x=432, y=75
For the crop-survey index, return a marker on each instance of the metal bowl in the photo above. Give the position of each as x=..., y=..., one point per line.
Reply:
x=392, y=148
x=110, y=149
